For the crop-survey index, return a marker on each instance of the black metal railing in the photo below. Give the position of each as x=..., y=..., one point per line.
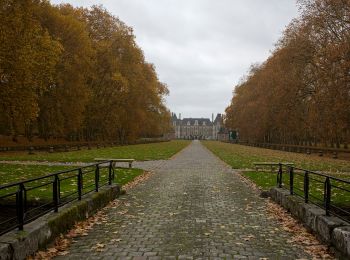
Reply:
x=24, y=201
x=328, y=192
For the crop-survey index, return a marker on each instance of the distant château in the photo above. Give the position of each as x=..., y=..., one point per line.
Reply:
x=196, y=128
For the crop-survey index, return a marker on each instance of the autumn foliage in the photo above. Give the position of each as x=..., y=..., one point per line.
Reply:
x=75, y=73
x=301, y=93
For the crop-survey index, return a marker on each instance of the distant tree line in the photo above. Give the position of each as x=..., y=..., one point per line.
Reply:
x=75, y=73
x=301, y=93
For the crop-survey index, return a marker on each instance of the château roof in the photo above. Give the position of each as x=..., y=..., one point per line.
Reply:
x=192, y=121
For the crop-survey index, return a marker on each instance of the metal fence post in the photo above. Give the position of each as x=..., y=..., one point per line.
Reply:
x=25, y=201
x=327, y=195
x=306, y=187
x=55, y=193
x=80, y=183
x=97, y=177
x=279, y=175
x=291, y=180
x=110, y=180
x=19, y=206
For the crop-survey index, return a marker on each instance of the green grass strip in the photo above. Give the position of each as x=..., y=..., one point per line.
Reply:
x=13, y=173
x=142, y=152
x=243, y=157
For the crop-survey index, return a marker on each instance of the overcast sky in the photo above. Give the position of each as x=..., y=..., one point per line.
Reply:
x=201, y=48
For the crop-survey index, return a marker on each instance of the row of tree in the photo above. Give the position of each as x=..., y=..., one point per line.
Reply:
x=301, y=93
x=75, y=73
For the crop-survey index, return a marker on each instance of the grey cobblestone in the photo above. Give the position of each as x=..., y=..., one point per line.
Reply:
x=194, y=207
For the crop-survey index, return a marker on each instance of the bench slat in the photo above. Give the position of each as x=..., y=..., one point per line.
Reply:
x=114, y=160
x=130, y=161
x=269, y=164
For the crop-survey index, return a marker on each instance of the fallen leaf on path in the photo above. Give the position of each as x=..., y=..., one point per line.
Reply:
x=248, y=238
x=300, y=236
x=123, y=212
x=141, y=178
x=62, y=253
x=61, y=243
x=99, y=245
x=116, y=240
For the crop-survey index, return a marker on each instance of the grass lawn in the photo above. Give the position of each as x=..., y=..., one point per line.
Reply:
x=265, y=180
x=142, y=152
x=12, y=173
x=68, y=183
x=242, y=157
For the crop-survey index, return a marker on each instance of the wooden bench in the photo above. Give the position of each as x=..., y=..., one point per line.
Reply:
x=270, y=164
x=130, y=161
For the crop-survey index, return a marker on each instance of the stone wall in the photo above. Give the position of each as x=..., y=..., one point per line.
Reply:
x=329, y=229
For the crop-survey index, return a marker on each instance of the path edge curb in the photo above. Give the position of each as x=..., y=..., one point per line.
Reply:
x=39, y=233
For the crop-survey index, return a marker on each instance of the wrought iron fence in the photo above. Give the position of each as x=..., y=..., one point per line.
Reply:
x=24, y=201
x=328, y=192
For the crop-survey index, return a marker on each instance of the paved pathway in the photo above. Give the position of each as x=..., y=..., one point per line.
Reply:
x=193, y=207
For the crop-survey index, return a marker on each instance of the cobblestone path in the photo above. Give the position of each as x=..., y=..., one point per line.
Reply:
x=194, y=207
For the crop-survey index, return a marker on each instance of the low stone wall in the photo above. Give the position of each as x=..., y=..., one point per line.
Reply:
x=37, y=234
x=331, y=230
